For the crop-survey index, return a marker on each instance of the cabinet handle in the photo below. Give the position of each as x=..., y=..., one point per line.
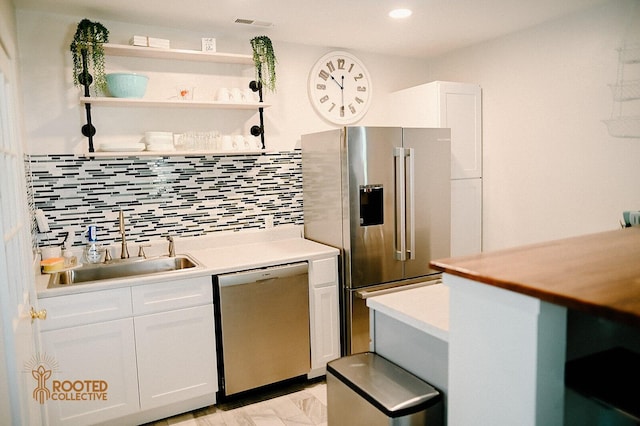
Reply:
x=42, y=314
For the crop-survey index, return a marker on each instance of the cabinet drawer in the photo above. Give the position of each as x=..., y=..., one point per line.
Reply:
x=171, y=295
x=85, y=308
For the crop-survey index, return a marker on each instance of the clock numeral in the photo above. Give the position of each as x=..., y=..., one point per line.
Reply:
x=333, y=105
x=324, y=99
x=341, y=111
x=341, y=64
x=352, y=109
x=321, y=86
x=358, y=100
x=323, y=75
x=351, y=67
x=358, y=77
x=330, y=66
x=361, y=89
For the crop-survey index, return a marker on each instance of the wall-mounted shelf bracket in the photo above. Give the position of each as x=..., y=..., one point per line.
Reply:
x=256, y=86
x=88, y=130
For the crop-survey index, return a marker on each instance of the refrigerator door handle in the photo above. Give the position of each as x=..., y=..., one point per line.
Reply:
x=412, y=202
x=400, y=234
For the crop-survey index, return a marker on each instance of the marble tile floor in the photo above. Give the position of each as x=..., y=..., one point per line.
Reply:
x=299, y=405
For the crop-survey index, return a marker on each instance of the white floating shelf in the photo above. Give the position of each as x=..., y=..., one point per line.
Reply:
x=104, y=154
x=136, y=102
x=176, y=54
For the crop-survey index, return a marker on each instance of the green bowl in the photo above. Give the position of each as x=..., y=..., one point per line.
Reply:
x=126, y=85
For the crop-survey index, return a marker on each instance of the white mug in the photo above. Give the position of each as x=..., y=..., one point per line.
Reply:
x=253, y=142
x=249, y=95
x=239, y=142
x=226, y=143
x=237, y=95
x=224, y=95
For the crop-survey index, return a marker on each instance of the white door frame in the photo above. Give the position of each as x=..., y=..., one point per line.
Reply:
x=18, y=335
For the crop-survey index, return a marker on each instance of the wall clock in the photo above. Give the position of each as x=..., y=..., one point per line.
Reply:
x=340, y=88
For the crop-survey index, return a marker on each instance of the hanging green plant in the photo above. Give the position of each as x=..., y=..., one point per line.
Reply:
x=264, y=59
x=89, y=37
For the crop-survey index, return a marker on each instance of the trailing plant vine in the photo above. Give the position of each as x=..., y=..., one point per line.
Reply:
x=89, y=37
x=264, y=59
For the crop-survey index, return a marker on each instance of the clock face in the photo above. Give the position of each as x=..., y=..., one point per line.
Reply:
x=340, y=88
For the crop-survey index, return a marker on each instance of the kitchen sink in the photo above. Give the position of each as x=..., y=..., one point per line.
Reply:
x=121, y=269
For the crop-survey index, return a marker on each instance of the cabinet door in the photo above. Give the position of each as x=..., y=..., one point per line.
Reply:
x=466, y=217
x=325, y=344
x=460, y=110
x=324, y=318
x=457, y=106
x=96, y=352
x=176, y=356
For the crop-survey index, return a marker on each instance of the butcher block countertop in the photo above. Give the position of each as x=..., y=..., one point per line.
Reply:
x=598, y=273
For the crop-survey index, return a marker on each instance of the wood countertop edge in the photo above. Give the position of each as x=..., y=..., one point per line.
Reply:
x=614, y=314
x=615, y=251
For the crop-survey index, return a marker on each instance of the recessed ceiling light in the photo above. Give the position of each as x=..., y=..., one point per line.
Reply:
x=400, y=13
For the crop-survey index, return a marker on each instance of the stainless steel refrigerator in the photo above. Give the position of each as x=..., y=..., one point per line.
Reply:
x=382, y=196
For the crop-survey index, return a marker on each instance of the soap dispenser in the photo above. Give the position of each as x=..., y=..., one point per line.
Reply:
x=92, y=251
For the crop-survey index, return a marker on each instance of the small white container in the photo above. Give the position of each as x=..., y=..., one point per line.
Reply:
x=161, y=138
x=161, y=43
x=50, y=252
x=138, y=40
x=208, y=44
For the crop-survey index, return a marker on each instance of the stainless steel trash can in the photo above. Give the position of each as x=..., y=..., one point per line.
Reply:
x=366, y=389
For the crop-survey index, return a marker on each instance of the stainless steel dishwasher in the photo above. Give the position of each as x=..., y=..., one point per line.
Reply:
x=262, y=326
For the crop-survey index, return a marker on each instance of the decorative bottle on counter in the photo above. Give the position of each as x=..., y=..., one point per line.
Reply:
x=92, y=251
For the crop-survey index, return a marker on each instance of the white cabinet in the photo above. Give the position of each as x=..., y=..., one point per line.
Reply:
x=457, y=106
x=175, y=347
x=324, y=316
x=152, y=345
x=466, y=216
x=176, y=356
x=102, y=350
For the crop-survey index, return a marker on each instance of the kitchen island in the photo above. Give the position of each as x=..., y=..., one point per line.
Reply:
x=411, y=328
x=518, y=316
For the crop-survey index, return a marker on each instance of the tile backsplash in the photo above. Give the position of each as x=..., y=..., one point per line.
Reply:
x=160, y=196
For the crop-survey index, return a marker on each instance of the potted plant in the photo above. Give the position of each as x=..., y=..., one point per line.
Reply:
x=88, y=53
x=264, y=60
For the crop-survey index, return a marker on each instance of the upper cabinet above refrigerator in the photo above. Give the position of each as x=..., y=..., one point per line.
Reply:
x=457, y=106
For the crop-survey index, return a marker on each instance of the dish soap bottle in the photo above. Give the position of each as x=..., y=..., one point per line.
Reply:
x=92, y=252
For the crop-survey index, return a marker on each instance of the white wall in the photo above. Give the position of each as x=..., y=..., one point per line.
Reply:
x=551, y=170
x=54, y=117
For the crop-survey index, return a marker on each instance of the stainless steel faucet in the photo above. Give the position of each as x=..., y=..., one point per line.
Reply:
x=124, y=254
x=172, y=246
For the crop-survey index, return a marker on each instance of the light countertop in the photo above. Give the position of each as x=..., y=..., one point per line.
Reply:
x=425, y=308
x=598, y=273
x=216, y=254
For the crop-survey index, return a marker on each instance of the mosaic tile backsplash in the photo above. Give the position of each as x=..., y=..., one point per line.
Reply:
x=160, y=196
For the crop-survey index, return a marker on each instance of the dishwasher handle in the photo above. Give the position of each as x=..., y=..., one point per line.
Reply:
x=263, y=274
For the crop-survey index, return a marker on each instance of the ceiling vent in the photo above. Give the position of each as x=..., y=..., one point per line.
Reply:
x=253, y=22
